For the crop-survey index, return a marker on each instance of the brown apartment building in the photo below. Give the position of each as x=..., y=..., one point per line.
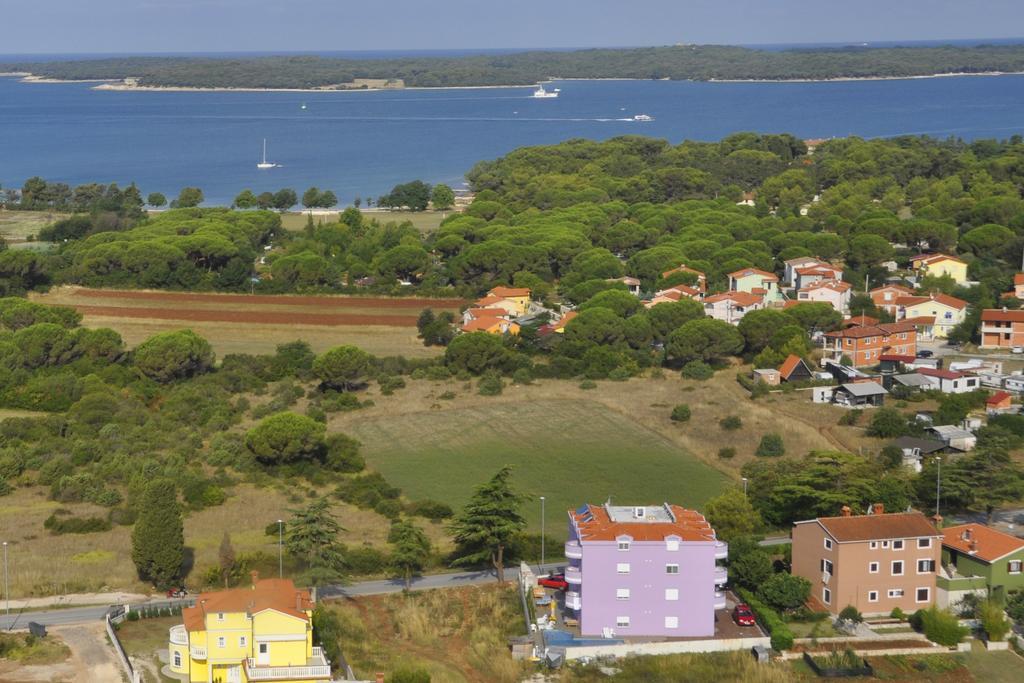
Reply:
x=1001, y=329
x=875, y=562
x=865, y=345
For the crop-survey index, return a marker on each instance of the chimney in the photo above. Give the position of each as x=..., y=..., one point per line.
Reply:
x=973, y=545
x=298, y=601
x=845, y=511
x=966, y=535
x=255, y=575
x=937, y=520
x=877, y=509
x=380, y=677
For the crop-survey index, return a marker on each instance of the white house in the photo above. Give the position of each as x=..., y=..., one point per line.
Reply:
x=730, y=307
x=833, y=292
x=949, y=382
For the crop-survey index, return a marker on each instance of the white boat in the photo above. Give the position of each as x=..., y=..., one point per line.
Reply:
x=303, y=105
x=265, y=163
x=643, y=117
x=540, y=92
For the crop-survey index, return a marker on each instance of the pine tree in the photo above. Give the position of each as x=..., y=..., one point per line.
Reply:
x=410, y=548
x=158, y=539
x=312, y=535
x=485, y=526
x=226, y=556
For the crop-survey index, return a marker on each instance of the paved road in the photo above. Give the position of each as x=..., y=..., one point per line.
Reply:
x=79, y=615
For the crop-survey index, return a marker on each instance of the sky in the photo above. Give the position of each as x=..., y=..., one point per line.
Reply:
x=137, y=26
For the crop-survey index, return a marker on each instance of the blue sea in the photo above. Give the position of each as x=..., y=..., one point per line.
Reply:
x=363, y=143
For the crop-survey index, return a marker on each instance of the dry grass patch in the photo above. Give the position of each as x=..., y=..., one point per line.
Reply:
x=424, y=221
x=18, y=226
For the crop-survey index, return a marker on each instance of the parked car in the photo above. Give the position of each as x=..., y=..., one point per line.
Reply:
x=556, y=581
x=1017, y=349
x=743, y=615
x=925, y=353
x=178, y=592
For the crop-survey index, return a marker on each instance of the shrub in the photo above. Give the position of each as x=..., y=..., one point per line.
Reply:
x=851, y=613
x=993, y=621
x=75, y=525
x=588, y=384
x=851, y=417
x=771, y=446
x=781, y=635
x=941, y=626
x=727, y=453
x=897, y=613
x=430, y=509
x=681, y=413
x=785, y=591
x=697, y=369
x=491, y=384
x=522, y=376
x=730, y=423
x=409, y=676
x=389, y=383
x=447, y=396
x=758, y=390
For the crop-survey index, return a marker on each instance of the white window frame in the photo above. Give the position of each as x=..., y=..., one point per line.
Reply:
x=621, y=622
x=873, y=567
x=828, y=544
x=895, y=547
x=672, y=546
x=672, y=568
x=892, y=568
x=622, y=594
x=220, y=616
x=885, y=544
x=927, y=571
x=923, y=543
x=177, y=659
x=826, y=596
x=623, y=546
x=872, y=596
x=671, y=594
x=241, y=641
x=917, y=592
x=622, y=568
x=873, y=545
x=827, y=566
x=221, y=641
x=672, y=622
x=1011, y=570
x=896, y=593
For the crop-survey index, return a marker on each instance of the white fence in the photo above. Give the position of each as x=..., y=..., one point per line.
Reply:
x=671, y=647
x=122, y=657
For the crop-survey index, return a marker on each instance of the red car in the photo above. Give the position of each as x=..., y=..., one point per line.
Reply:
x=177, y=592
x=553, y=581
x=743, y=616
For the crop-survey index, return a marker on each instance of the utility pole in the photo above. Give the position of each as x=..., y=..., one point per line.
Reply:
x=744, y=486
x=280, y=553
x=542, y=533
x=938, y=485
x=7, y=586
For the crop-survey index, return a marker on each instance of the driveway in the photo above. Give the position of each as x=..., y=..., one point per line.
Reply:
x=91, y=661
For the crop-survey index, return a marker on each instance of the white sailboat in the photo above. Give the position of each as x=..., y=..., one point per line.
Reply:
x=540, y=92
x=265, y=163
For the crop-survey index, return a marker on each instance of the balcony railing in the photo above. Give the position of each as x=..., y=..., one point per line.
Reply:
x=317, y=668
x=573, y=600
x=198, y=652
x=573, y=550
x=179, y=636
x=720, y=602
x=721, y=550
x=721, y=575
x=573, y=574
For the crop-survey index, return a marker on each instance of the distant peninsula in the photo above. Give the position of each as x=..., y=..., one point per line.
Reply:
x=679, y=62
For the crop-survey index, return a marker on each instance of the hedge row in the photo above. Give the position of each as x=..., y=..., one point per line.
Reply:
x=782, y=636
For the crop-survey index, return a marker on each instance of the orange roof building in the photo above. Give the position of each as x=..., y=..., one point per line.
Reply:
x=976, y=550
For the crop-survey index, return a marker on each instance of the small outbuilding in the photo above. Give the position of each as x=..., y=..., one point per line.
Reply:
x=915, y=449
x=769, y=376
x=955, y=437
x=795, y=369
x=999, y=402
x=860, y=394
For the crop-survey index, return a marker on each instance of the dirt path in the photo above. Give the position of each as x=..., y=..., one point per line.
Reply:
x=92, y=657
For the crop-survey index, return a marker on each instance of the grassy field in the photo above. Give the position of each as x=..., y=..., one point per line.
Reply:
x=424, y=221
x=457, y=635
x=569, y=451
x=142, y=640
x=17, y=226
x=722, y=667
x=233, y=325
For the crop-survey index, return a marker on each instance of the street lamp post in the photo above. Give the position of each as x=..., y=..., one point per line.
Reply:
x=7, y=586
x=280, y=555
x=744, y=486
x=542, y=533
x=938, y=485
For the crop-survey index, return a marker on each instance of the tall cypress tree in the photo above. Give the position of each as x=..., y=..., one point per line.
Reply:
x=158, y=539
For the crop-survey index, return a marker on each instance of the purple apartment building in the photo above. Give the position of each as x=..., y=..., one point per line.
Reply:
x=644, y=571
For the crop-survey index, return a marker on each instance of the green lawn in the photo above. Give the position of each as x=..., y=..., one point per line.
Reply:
x=571, y=452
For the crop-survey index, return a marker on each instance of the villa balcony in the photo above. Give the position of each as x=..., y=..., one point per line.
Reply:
x=573, y=575
x=573, y=550
x=721, y=550
x=179, y=636
x=317, y=668
x=721, y=575
x=573, y=600
x=197, y=652
x=720, y=602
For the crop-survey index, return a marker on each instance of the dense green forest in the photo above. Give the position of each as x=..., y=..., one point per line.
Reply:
x=684, y=62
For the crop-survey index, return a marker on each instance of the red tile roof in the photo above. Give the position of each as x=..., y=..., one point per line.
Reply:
x=898, y=288
x=506, y=292
x=689, y=525
x=755, y=271
x=880, y=330
x=1018, y=279
x=989, y=545
x=834, y=285
x=877, y=527
x=740, y=298
x=276, y=594
x=684, y=269
x=928, y=259
x=945, y=299
x=920, y=320
x=791, y=363
x=941, y=374
x=897, y=358
x=998, y=397
x=566, y=319
x=1002, y=316
x=861, y=321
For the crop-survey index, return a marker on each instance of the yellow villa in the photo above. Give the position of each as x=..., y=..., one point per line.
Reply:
x=938, y=265
x=260, y=633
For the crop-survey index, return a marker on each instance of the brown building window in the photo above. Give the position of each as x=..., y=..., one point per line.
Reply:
x=924, y=543
x=925, y=566
x=897, y=545
x=897, y=568
x=923, y=595
x=1013, y=566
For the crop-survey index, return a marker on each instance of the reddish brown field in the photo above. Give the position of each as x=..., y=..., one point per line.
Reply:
x=241, y=323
